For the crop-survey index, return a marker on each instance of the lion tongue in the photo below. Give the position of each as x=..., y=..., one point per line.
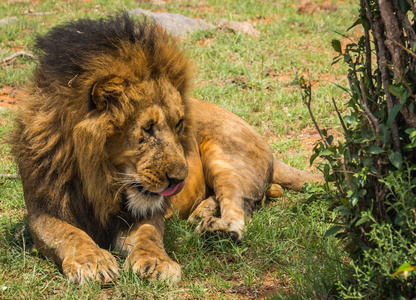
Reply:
x=173, y=190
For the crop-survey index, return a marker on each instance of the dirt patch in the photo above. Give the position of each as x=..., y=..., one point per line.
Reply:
x=205, y=42
x=309, y=136
x=309, y=7
x=10, y=97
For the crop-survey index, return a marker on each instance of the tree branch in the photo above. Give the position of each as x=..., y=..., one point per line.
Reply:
x=13, y=56
x=373, y=120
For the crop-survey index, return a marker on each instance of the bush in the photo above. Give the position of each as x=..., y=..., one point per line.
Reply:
x=371, y=174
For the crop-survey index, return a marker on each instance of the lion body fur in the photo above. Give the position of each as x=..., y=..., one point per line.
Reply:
x=107, y=137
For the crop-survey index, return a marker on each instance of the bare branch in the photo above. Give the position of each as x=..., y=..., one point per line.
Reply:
x=341, y=120
x=13, y=56
x=401, y=46
x=9, y=176
x=373, y=120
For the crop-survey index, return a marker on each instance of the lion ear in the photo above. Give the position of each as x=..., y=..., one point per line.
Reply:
x=107, y=90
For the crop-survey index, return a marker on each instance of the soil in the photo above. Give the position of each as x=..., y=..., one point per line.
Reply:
x=10, y=96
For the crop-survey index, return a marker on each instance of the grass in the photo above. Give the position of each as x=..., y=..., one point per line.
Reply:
x=284, y=254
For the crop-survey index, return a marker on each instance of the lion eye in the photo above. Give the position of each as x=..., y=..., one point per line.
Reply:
x=179, y=125
x=148, y=129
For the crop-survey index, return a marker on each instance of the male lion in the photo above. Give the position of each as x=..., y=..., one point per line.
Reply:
x=108, y=136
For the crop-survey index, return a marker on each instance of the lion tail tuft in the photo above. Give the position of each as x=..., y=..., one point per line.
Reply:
x=274, y=191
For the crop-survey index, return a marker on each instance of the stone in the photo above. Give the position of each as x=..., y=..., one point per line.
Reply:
x=174, y=24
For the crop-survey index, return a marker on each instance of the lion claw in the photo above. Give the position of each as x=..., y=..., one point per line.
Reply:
x=98, y=265
x=163, y=269
x=221, y=227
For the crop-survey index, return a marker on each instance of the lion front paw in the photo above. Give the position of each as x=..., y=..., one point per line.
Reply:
x=97, y=264
x=156, y=268
x=220, y=226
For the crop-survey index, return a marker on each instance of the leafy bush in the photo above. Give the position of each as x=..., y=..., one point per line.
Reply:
x=371, y=174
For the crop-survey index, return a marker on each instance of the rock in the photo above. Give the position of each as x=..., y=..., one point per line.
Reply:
x=8, y=20
x=175, y=24
x=241, y=27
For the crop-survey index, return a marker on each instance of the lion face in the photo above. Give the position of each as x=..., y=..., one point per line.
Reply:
x=146, y=145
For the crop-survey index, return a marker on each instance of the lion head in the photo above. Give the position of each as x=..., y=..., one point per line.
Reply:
x=107, y=119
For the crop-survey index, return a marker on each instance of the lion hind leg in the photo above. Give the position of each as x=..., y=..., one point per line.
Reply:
x=231, y=223
x=207, y=208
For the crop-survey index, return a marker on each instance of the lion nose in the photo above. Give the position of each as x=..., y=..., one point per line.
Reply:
x=173, y=181
x=177, y=173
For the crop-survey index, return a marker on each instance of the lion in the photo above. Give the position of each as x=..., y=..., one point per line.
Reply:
x=108, y=143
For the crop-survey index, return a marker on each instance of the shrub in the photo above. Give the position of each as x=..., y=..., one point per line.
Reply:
x=371, y=174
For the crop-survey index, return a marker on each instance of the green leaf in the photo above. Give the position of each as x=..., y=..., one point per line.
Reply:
x=326, y=152
x=357, y=22
x=366, y=24
x=362, y=193
x=393, y=113
x=329, y=139
x=347, y=58
x=336, y=45
x=344, y=201
x=351, y=120
x=396, y=159
x=375, y=150
x=336, y=60
x=404, y=268
x=354, y=201
x=345, y=212
x=404, y=5
x=333, y=230
x=362, y=220
x=313, y=157
x=385, y=137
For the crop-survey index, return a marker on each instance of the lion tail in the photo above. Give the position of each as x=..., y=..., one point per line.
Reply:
x=290, y=178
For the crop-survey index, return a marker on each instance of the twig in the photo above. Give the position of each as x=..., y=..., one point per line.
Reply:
x=373, y=120
x=18, y=53
x=341, y=120
x=39, y=13
x=329, y=294
x=9, y=176
x=307, y=99
x=401, y=46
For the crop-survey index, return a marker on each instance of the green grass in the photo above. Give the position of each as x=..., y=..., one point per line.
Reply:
x=284, y=254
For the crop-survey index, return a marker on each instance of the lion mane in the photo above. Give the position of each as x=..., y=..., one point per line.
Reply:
x=60, y=140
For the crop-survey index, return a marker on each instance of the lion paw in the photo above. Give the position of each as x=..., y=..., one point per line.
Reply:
x=154, y=268
x=221, y=226
x=207, y=208
x=98, y=264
